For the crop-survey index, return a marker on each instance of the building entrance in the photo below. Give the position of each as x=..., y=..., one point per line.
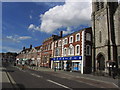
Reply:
x=100, y=62
x=68, y=65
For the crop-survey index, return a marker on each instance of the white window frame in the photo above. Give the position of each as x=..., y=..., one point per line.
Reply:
x=66, y=41
x=48, y=46
x=70, y=39
x=55, y=43
x=89, y=50
x=71, y=46
x=79, y=36
x=88, y=36
x=59, y=43
x=65, y=53
x=57, y=52
x=76, y=50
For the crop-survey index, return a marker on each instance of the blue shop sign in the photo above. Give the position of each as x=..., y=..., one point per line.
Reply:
x=67, y=58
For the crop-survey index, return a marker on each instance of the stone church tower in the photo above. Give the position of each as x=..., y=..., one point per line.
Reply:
x=105, y=40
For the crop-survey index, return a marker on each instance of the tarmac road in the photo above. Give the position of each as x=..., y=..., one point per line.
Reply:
x=39, y=79
x=36, y=79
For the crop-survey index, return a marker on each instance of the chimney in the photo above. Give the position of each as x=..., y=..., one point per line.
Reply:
x=61, y=33
x=30, y=46
x=23, y=48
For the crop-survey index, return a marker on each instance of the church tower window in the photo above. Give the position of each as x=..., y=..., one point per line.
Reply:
x=100, y=35
x=102, y=4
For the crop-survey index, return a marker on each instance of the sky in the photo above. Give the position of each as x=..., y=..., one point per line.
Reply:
x=29, y=23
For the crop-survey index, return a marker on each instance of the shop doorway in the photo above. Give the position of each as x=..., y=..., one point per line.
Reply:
x=69, y=65
x=100, y=62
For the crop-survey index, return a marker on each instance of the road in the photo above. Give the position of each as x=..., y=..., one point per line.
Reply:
x=38, y=79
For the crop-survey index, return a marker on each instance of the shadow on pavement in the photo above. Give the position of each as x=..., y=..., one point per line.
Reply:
x=4, y=70
x=21, y=86
x=7, y=86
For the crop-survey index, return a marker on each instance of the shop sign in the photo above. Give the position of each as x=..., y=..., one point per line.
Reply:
x=67, y=58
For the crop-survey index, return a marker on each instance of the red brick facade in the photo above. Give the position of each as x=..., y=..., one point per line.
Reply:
x=58, y=46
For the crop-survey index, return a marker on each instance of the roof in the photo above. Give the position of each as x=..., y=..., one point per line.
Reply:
x=38, y=47
x=75, y=32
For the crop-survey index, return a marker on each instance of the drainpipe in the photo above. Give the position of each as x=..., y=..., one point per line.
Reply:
x=83, y=47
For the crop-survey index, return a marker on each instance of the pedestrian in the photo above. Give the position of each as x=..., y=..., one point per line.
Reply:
x=70, y=68
x=114, y=70
x=23, y=65
x=114, y=73
x=55, y=68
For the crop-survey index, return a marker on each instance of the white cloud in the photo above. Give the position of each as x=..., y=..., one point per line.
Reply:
x=71, y=14
x=30, y=16
x=17, y=38
x=33, y=27
x=24, y=37
x=69, y=30
x=10, y=49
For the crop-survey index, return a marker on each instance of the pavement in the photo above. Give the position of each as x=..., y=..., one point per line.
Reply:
x=4, y=79
x=88, y=77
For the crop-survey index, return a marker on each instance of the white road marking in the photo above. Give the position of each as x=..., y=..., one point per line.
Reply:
x=12, y=81
x=36, y=75
x=63, y=77
x=93, y=80
x=24, y=71
x=59, y=84
x=116, y=85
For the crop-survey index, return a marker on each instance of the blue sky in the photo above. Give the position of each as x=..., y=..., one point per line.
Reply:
x=25, y=23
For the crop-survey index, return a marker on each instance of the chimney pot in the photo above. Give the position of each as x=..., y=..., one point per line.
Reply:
x=61, y=33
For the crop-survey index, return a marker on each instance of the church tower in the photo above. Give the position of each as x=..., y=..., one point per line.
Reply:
x=104, y=45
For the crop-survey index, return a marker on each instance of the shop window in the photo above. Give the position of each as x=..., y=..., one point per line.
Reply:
x=76, y=66
x=88, y=36
x=78, y=37
x=88, y=50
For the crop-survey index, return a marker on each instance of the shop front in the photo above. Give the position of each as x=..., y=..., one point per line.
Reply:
x=72, y=63
x=76, y=65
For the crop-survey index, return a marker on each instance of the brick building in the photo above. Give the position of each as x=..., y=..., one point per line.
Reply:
x=47, y=50
x=73, y=52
